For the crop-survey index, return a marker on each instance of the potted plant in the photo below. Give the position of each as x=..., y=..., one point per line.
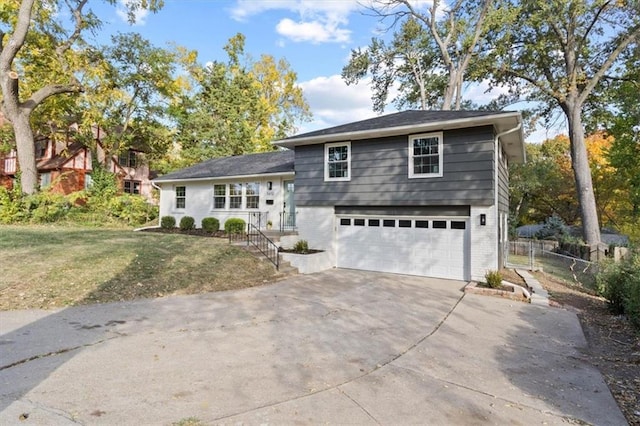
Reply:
x=269, y=224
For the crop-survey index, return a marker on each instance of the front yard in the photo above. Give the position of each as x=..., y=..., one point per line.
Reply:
x=45, y=267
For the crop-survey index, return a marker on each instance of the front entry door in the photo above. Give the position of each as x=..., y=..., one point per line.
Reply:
x=289, y=207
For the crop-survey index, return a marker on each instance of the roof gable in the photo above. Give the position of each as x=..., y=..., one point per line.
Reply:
x=241, y=165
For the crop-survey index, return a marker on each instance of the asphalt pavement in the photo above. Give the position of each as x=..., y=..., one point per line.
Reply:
x=336, y=347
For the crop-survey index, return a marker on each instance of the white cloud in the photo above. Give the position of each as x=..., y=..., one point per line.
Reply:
x=140, y=14
x=314, y=32
x=332, y=102
x=316, y=21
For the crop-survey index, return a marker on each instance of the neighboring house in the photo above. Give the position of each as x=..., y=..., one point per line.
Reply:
x=66, y=166
x=416, y=192
x=607, y=236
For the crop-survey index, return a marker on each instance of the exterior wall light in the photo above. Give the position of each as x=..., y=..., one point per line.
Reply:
x=483, y=219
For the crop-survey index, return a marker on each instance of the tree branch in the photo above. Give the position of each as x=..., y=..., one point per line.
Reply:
x=78, y=27
x=50, y=90
x=621, y=46
x=18, y=37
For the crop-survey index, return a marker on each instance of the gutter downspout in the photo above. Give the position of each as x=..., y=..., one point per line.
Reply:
x=160, y=203
x=497, y=187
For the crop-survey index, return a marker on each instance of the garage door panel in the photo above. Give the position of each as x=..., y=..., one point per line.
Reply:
x=428, y=251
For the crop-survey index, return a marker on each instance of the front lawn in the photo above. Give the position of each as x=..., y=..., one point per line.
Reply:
x=54, y=266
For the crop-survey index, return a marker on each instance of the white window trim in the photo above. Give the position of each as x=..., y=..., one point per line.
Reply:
x=175, y=190
x=413, y=175
x=326, y=162
x=226, y=197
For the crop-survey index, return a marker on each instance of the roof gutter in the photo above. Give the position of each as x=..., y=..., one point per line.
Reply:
x=220, y=178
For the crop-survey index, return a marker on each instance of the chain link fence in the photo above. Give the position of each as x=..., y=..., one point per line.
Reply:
x=541, y=256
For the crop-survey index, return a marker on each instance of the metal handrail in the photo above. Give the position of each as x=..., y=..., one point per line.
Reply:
x=264, y=244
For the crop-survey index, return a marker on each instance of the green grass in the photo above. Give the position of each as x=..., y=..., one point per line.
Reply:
x=560, y=268
x=52, y=266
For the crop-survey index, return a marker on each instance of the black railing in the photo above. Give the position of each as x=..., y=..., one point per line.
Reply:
x=264, y=244
x=258, y=219
x=287, y=221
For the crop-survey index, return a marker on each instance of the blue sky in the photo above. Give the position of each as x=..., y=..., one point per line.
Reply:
x=314, y=36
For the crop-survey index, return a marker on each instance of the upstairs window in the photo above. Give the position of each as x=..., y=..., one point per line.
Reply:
x=425, y=155
x=337, y=165
x=181, y=197
x=128, y=159
x=41, y=148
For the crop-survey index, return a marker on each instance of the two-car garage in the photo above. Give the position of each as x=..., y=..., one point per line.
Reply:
x=427, y=246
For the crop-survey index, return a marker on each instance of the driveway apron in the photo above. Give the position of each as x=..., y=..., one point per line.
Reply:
x=341, y=346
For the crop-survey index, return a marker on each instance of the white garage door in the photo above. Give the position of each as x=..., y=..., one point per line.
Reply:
x=432, y=247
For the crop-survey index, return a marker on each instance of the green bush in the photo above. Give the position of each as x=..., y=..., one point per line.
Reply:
x=235, y=225
x=494, y=279
x=210, y=225
x=46, y=207
x=619, y=283
x=168, y=222
x=187, y=223
x=301, y=246
x=11, y=205
x=131, y=209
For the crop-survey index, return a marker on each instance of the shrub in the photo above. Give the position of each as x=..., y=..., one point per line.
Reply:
x=619, y=283
x=494, y=279
x=301, y=246
x=234, y=225
x=210, y=225
x=168, y=222
x=187, y=223
x=131, y=209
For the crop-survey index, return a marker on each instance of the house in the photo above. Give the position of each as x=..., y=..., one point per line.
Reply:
x=65, y=165
x=415, y=192
x=258, y=188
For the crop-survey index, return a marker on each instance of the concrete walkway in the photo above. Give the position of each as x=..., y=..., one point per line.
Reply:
x=336, y=347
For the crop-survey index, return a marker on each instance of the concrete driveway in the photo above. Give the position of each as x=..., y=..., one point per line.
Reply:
x=336, y=347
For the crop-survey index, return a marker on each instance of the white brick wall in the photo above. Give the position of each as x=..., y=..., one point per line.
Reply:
x=317, y=226
x=484, y=242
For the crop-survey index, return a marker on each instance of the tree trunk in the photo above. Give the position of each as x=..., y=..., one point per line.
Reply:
x=582, y=174
x=25, y=147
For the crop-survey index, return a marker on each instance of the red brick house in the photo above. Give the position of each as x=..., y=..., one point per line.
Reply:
x=65, y=165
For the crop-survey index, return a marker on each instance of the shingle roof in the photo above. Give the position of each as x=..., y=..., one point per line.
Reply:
x=240, y=165
x=399, y=119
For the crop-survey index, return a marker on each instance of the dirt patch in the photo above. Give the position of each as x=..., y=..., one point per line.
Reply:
x=614, y=345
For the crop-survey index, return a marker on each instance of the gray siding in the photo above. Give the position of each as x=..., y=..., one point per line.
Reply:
x=503, y=185
x=379, y=174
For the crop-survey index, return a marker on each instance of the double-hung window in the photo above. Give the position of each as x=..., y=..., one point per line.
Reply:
x=219, y=196
x=425, y=155
x=235, y=195
x=337, y=161
x=181, y=197
x=252, y=191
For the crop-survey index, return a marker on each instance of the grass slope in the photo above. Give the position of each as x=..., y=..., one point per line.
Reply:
x=49, y=267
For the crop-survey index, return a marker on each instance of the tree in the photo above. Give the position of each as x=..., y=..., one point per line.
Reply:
x=239, y=106
x=445, y=47
x=544, y=185
x=558, y=52
x=130, y=93
x=37, y=40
